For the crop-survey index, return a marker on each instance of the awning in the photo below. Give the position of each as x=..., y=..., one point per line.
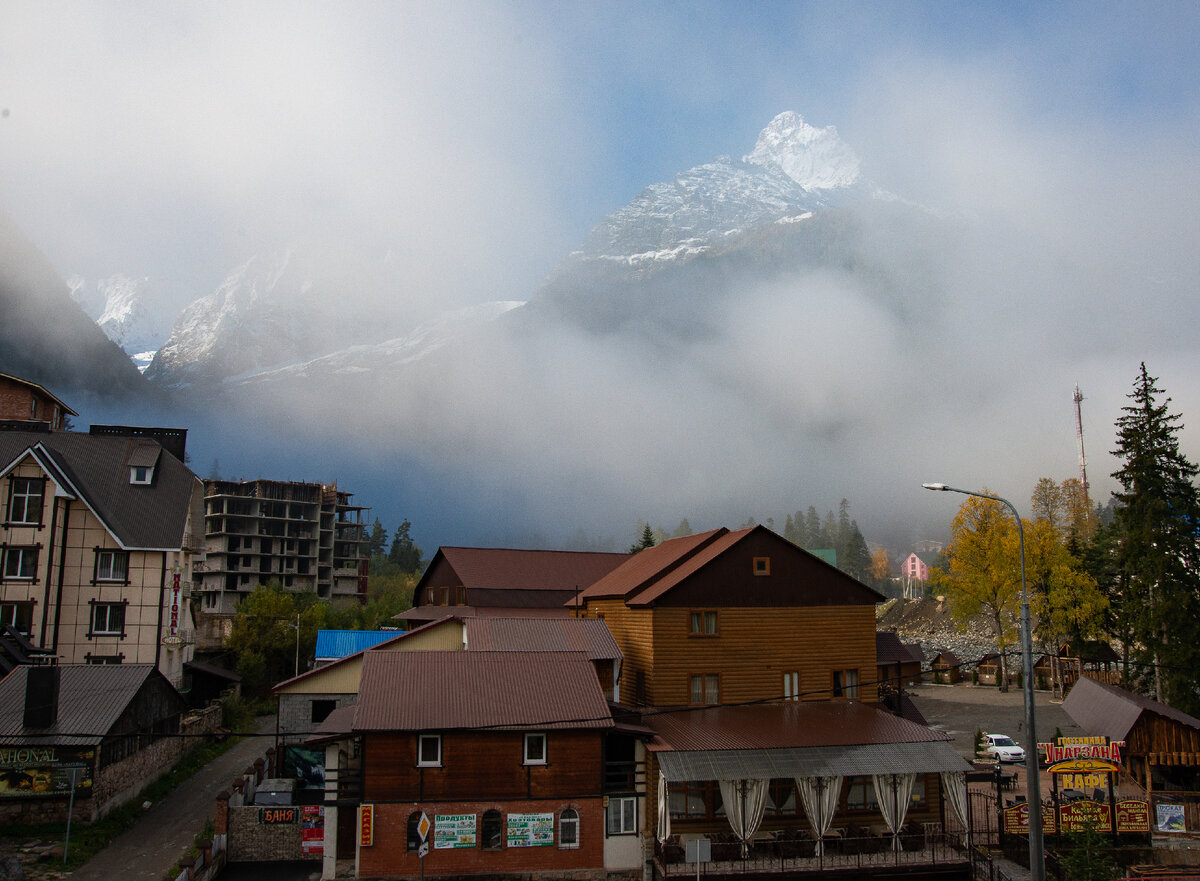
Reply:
x=820, y=761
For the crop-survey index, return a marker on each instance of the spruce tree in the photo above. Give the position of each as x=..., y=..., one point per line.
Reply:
x=1158, y=557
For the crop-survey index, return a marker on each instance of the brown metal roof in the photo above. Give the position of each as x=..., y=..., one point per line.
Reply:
x=438, y=613
x=648, y=577
x=511, y=569
x=91, y=698
x=446, y=690
x=1099, y=708
x=789, y=724
x=588, y=635
x=889, y=649
x=641, y=569
x=279, y=686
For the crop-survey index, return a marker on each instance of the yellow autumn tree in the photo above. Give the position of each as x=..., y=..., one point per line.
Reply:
x=984, y=573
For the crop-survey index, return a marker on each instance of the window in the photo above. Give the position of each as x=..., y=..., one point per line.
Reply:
x=781, y=798
x=845, y=683
x=460, y=596
x=108, y=619
x=322, y=708
x=704, y=689
x=917, y=799
x=535, y=749
x=103, y=659
x=18, y=616
x=860, y=794
x=703, y=624
x=20, y=563
x=413, y=841
x=112, y=566
x=791, y=686
x=622, y=815
x=141, y=475
x=25, y=500
x=568, y=828
x=429, y=751
x=762, y=565
x=695, y=799
x=492, y=830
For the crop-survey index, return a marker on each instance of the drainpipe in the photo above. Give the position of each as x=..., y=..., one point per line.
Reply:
x=62, y=567
x=49, y=570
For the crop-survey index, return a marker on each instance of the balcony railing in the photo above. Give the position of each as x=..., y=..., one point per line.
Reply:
x=787, y=852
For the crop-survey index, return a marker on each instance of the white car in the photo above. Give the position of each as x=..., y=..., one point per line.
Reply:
x=1002, y=748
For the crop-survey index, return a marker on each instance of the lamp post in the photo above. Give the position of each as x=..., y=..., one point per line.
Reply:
x=1033, y=788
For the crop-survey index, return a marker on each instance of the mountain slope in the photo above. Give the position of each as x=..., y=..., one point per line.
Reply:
x=47, y=338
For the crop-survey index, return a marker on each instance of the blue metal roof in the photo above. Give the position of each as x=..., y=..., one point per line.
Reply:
x=341, y=643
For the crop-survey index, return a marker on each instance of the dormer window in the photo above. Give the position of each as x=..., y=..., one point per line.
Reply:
x=143, y=459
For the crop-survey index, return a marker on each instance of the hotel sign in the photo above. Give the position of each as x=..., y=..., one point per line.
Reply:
x=44, y=770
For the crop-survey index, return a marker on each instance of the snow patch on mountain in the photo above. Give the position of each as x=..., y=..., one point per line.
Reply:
x=362, y=359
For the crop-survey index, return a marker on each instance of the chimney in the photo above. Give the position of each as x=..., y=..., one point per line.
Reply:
x=41, y=696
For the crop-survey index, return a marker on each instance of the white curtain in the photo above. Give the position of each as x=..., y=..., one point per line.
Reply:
x=745, y=802
x=819, y=796
x=664, y=810
x=893, y=792
x=954, y=786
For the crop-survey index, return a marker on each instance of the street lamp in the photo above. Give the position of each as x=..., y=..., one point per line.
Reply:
x=1033, y=788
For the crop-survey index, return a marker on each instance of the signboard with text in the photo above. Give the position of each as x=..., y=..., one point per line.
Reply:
x=1075, y=816
x=45, y=770
x=453, y=830
x=530, y=830
x=312, y=831
x=366, y=825
x=1133, y=816
x=1016, y=820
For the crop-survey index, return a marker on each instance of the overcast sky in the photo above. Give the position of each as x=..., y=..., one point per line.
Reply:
x=477, y=143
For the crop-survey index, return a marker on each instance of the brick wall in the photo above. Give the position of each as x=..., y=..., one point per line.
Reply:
x=389, y=854
x=295, y=713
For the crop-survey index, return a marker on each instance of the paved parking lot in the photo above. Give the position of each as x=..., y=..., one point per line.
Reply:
x=961, y=710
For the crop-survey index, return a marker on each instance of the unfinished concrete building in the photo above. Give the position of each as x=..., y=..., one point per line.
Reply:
x=306, y=536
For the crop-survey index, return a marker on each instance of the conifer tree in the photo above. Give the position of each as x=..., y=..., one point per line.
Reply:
x=1158, y=556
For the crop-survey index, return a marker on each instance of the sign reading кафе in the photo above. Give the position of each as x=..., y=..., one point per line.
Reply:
x=45, y=770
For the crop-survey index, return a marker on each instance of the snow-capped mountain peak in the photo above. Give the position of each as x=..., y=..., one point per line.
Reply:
x=793, y=170
x=815, y=158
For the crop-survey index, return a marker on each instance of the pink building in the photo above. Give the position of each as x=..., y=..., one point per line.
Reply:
x=914, y=568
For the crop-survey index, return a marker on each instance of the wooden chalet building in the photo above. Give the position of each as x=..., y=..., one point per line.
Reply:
x=503, y=582
x=1162, y=744
x=754, y=664
x=945, y=668
x=897, y=664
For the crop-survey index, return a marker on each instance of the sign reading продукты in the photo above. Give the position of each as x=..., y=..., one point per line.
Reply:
x=453, y=830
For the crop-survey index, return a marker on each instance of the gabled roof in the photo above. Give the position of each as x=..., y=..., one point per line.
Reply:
x=330, y=668
x=91, y=698
x=41, y=390
x=947, y=658
x=511, y=569
x=95, y=469
x=340, y=643
x=588, y=635
x=441, y=691
x=638, y=572
x=650, y=575
x=437, y=613
x=889, y=649
x=1100, y=708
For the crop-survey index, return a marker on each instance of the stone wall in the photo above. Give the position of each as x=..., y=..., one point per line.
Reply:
x=251, y=840
x=295, y=713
